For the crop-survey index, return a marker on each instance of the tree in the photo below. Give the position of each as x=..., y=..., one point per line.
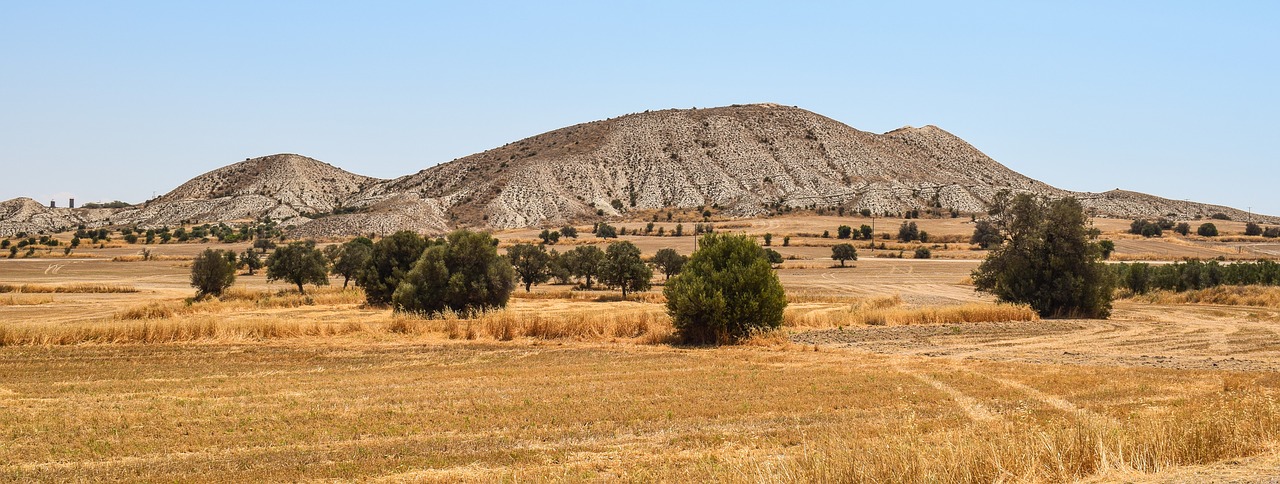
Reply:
x=768, y=239
x=844, y=252
x=844, y=232
x=584, y=261
x=251, y=260
x=986, y=234
x=1049, y=262
x=211, y=273
x=727, y=292
x=786, y=241
x=570, y=232
x=1108, y=247
x=352, y=258
x=623, y=268
x=391, y=259
x=549, y=237
x=298, y=263
x=463, y=273
x=923, y=253
x=773, y=256
x=559, y=268
x=1182, y=228
x=679, y=228
x=1207, y=230
x=532, y=264
x=606, y=231
x=1252, y=229
x=1146, y=228
x=866, y=231
x=908, y=232
x=669, y=262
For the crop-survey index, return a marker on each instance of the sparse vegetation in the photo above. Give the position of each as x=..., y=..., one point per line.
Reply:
x=212, y=272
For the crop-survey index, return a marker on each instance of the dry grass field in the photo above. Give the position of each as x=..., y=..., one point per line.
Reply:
x=892, y=370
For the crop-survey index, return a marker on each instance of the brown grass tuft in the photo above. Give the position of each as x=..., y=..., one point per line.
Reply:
x=888, y=311
x=1261, y=296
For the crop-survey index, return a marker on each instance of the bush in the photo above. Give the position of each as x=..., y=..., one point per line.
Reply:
x=1252, y=229
x=1049, y=262
x=908, y=232
x=1220, y=216
x=569, y=232
x=773, y=256
x=463, y=273
x=1207, y=230
x=923, y=253
x=768, y=239
x=1108, y=247
x=844, y=232
x=389, y=261
x=211, y=273
x=844, y=252
x=1271, y=232
x=1193, y=275
x=298, y=263
x=727, y=292
x=1182, y=228
x=623, y=268
x=1146, y=228
x=606, y=231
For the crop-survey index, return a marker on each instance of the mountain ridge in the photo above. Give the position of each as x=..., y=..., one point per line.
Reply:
x=747, y=160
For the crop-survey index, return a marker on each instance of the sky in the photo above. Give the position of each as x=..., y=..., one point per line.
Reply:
x=123, y=100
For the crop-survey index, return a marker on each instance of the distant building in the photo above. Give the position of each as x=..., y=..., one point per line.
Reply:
x=53, y=204
x=72, y=203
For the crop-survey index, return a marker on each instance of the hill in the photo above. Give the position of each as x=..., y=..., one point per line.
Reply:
x=742, y=159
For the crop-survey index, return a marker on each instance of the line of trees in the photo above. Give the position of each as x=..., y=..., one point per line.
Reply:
x=1141, y=278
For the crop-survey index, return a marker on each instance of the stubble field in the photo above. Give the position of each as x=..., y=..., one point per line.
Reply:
x=893, y=370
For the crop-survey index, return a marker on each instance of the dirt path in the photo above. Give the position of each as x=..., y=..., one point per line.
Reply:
x=1180, y=337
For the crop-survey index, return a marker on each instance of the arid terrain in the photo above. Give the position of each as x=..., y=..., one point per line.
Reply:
x=891, y=370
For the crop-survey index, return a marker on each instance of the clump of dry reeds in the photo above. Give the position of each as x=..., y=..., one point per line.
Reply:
x=644, y=325
x=889, y=311
x=77, y=288
x=241, y=299
x=1261, y=296
x=144, y=331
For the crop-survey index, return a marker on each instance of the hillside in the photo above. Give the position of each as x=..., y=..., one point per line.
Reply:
x=743, y=159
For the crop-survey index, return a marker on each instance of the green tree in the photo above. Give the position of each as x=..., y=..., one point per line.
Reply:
x=768, y=239
x=549, y=237
x=584, y=261
x=669, y=261
x=352, y=258
x=1108, y=247
x=298, y=263
x=623, y=268
x=391, y=259
x=532, y=264
x=251, y=261
x=1207, y=230
x=1252, y=229
x=844, y=232
x=1049, y=262
x=786, y=241
x=569, y=232
x=773, y=256
x=726, y=292
x=986, y=234
x=606, y=231
x=211, y=273
x=908, y=232
x=464, y=273
x=1182, y=228
x=844, y=252
x=923, y=253
x=866, y=231
x=559, y=268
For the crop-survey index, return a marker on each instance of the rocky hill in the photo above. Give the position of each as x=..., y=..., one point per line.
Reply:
x=744, y=159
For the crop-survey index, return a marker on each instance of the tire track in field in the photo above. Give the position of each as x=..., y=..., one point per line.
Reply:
x=971, y=407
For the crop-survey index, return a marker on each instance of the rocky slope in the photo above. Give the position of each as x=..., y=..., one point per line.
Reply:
x=746, y=160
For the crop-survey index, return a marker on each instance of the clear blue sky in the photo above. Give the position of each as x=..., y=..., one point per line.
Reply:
x=106, y=100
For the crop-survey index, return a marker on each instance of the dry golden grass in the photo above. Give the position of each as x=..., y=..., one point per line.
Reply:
x=1261, y=296
x=648, y=297
x=889, y=311
x=155, y=257
x=25, y=300
x=67, y=288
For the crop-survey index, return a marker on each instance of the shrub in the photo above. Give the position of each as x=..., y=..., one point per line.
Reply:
x=1252, y=229
x=463, y=273
x=251, y=260
x=391, y=258
x=211, y=273
x=623, y=268
x=1049, y=262
x=844, y=252
x=606, y=231
x=669, y=262
x=727, y=292
x=532, y=264
x=298, y=263
x=549, y=237
x=773, y=256
x=923, y=253
x=786, y=241
x=768, y=239
x=1182, y=228
x=1108, y=247
x=1271, y=232
x=1145, y=228
x=1220, y=216
x=568, y=231
x=1207, y=230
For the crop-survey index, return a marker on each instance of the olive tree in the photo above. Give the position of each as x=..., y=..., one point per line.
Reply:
x=669, y=261
x=844, y=252
x=463, y=273
x=623, y=268
x=298, y=263
x=211, y=273
x=726, y=292
x=352, y=258
x=532, y=264
x=391, y=258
